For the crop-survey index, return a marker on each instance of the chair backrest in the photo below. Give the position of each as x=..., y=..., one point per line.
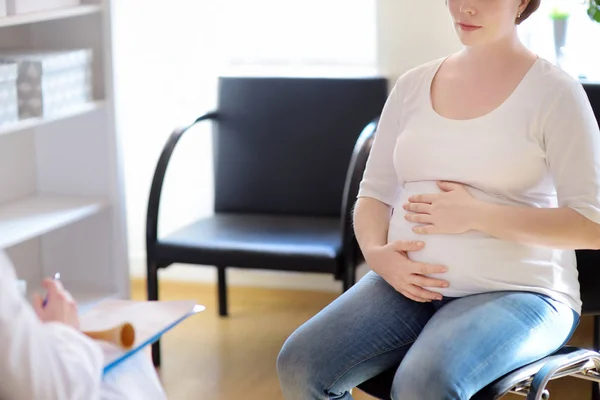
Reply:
x=588, y=261
x=358, y=164
x=283, y=144
x=588, y=266
x=593, y=93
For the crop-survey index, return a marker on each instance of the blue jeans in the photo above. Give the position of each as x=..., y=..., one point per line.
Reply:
x=448, y=349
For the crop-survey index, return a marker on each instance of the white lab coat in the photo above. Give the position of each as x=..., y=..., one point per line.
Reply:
x=53, y=361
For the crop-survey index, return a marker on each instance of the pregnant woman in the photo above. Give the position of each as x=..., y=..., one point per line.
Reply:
x=483, y=179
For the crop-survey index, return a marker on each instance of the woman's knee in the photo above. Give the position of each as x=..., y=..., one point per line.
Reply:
x=427, y=380
x=308, y=353
x=296, y=367
x=286, y=360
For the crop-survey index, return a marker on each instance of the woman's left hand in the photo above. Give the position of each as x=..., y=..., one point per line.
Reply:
x=451, y=211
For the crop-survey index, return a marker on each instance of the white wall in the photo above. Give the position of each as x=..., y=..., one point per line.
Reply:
x=165, y=64
x=164, y=78
x=412, y=32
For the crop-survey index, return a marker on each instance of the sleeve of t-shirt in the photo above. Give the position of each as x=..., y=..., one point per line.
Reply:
x=380, y=180
x=572, y=144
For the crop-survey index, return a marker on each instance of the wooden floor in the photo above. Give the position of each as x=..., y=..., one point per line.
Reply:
x=213, y=358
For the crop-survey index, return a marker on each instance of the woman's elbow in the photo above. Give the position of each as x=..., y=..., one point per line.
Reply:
x=592, y=230
x=595, y=239
x=584, y=231
x=371, y=203
x=591, y=240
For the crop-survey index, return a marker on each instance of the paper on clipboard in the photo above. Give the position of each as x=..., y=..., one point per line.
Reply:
x=151, y=319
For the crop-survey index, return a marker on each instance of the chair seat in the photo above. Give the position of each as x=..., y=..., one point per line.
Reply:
x=380, y=386
x=280, y=242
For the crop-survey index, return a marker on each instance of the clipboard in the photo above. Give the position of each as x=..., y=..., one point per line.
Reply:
x=150, y=319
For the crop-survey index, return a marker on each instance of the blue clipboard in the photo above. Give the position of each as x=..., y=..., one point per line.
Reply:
x=139, y=346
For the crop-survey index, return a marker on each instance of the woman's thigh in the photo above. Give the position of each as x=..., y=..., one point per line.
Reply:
x=472, y=341
x=360, y=334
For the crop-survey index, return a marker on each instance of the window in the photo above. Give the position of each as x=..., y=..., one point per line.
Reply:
x=579, y=56
x=283, y=33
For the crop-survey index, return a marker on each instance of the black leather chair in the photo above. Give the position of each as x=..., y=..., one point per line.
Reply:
x=530, y=380
x=593, y=91
x=282, y=165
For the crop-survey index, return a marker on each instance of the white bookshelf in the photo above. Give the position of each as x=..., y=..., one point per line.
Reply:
x=34, y=216
x=61, y=194
x=31, y=123
x=43, y=16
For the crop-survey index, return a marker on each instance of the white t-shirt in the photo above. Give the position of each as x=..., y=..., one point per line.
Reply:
x=539, y=148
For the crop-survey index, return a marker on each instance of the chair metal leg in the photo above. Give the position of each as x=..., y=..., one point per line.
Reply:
x=349, y=276
x=152, y=289
x=152, y=281
x=596, y=385
x=222, y=282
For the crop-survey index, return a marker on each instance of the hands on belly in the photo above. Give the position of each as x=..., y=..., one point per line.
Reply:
x=451, y=211
x=391, y=262
x=440, y=214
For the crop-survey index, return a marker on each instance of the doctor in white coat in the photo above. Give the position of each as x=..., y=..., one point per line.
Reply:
x=44, y=356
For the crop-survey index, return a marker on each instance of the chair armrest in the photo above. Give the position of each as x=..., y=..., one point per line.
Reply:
x=159, y=177
x=356, y=169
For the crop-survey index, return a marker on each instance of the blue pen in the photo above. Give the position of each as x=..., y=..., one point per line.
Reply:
x=56, y=278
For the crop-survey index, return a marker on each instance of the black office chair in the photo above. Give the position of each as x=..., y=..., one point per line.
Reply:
x=282, y=165
x=530, y=380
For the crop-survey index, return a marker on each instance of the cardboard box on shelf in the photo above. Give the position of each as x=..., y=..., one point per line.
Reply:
x=9, y=108
x=51, y=82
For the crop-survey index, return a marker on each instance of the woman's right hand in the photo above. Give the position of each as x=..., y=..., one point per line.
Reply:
x=61, y=306
x=391, y=262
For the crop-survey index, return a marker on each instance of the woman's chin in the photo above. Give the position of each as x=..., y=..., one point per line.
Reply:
x=469, y=39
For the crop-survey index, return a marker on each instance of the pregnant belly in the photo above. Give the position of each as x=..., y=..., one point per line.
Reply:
x=476, y=262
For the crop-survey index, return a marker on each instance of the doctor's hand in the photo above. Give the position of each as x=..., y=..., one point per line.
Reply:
x=391, y=262
x=61, y=307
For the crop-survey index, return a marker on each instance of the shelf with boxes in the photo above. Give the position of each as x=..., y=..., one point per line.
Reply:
x=43, y=85
x=61, y=193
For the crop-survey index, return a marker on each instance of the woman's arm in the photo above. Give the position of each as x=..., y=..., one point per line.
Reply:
x=42, y=361
x=371, y=223
x=571, y=138
x=379, y=187
x=378, y=194
x=455, y=210
x=560, y=228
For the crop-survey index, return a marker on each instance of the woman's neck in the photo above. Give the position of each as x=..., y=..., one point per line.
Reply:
x=496, y=55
